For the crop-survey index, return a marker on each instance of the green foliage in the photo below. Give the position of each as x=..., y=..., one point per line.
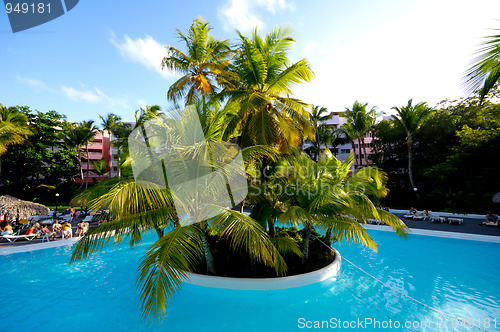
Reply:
x=484, y=73
x=454, y=157
x=44, y=164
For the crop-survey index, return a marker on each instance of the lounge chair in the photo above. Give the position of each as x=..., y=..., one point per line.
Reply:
x=373, y=221
x=14, y=238
x=491, y=223
x=87, y=219
x=409, y=215
x=423, y=216
x=437, y=218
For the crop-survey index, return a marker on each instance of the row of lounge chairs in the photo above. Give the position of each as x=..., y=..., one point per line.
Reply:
x=434, y=217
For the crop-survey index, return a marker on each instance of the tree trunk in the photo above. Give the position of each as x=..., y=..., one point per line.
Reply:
x=305, y=248
x=208, y=254
x=360, y=157
x=410, y=167
x=81, y=168
x=328, y=236
x=160, y=232
x=364, y=152
x=242, y=205
x=88, y=161
x=354, y=153
x=318, y=147
x=270, y=225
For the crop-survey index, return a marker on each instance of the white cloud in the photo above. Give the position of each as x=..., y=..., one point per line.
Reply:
x=242, y=14
x=34, y=83
x=95, y=96
x=146, y=51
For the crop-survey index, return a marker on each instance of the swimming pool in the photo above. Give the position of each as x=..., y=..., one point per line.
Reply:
x=459, y=277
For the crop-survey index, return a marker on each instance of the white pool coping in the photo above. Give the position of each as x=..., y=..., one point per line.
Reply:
x=265, y=284
x=449, y=235
x=38, y=246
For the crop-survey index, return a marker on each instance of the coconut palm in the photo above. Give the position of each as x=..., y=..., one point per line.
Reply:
x=323, y=196
x=74, y=138
x=14, y=127
x=484, y=72
x=359, y=122
x=268, y=114
x=111, y=123
x=203, y=63
x=100, y=166
x=88, y=132
x=141, y=206
x=410, y=118
x=317, y=117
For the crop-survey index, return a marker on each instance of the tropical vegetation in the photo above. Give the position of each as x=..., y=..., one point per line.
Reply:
x=242, y=94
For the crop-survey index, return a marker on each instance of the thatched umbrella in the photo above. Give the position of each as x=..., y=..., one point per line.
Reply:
x=496, y=198
x=16, y=207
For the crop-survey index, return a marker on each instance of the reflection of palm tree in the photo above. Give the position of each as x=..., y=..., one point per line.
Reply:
x=484, y=73
x=411, y=118
x=203, y=63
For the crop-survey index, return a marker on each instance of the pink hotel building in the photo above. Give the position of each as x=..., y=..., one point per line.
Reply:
x=101, y=147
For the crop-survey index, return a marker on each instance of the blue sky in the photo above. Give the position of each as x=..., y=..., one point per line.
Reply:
x=104, y=56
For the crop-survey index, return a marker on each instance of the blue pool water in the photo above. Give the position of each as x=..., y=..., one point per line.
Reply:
x=41, y=292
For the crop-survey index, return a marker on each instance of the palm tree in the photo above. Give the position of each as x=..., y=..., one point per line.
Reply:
x=410, y=118
x=484, y=72
x=111, y=123
x=322, y=195
x=74, y=138
x=88, y=132
x=268, y=114
x=140, y=208
x=203, y=64
x=100, y=167
x=14, y=127
x=359, y=122
x=317, y=117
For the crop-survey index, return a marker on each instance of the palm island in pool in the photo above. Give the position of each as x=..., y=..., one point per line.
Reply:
x=240, y=212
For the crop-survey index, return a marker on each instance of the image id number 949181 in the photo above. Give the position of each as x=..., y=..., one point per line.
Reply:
x=25, y=8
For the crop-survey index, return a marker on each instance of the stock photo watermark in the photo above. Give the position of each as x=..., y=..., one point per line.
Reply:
x=373, y=323
x=26, y=14
x=171, y=151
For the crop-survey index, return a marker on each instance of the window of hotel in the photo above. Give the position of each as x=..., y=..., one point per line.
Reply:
x=345, y=151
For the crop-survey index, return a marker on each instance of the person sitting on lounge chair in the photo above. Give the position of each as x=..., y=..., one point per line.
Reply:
x=81, y=229
x=52, y=235
x=30, y=230
x=66, y=230
x=56, y=227
x=7, y=230
x=411, y=214
x=425, y=214
x=490, y=218
x=37, y=225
